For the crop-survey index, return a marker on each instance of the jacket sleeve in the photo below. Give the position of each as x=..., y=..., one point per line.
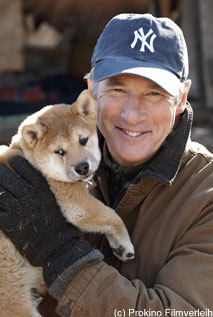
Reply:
x=184, y=283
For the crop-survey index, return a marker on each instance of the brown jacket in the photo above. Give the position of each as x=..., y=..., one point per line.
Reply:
x=169, y=215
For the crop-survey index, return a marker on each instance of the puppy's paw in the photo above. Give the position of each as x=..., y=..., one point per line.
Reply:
x=121, y=246
x=124, y=254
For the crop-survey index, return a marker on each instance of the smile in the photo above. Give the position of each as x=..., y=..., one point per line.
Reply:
x=132, y=134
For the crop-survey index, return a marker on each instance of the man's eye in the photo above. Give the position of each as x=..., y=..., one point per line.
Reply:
x=118, y=89
x=83, y=141
x=60, y=152
x=154, y=93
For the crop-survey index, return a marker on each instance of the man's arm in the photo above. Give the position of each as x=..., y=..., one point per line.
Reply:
x=184, y=283
x=31, y=218
x=93, y=288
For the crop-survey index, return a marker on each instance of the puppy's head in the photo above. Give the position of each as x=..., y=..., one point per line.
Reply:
x=61, y=140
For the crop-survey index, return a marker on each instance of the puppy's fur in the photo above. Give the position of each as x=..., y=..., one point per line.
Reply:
x=61, y=142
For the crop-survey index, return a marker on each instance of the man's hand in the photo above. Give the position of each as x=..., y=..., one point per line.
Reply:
x=31, y=218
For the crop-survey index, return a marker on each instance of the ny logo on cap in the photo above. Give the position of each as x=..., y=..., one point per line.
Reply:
x=139, y=35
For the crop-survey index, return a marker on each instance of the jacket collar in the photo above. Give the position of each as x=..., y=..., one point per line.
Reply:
x=165, y=164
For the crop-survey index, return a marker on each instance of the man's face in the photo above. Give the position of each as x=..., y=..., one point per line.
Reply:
x=135, y=116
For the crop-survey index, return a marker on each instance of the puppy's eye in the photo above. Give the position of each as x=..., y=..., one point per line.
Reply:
x=60, y=152
x=83, y=141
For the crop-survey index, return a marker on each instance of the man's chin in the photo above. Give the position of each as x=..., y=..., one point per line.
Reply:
x=130, y=157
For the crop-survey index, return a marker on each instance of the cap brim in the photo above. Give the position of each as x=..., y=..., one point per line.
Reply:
x=106, y=68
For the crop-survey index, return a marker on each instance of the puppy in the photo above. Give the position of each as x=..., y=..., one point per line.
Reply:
x=61, y=142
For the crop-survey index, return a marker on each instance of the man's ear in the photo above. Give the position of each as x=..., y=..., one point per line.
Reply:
x=183, y=98
x=85, y=105
x=33, y=132
x=90, y=85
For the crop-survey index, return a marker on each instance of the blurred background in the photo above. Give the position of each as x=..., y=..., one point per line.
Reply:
x=46, y=47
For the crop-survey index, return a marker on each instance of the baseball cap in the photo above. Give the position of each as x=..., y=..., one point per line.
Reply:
x=143, y=45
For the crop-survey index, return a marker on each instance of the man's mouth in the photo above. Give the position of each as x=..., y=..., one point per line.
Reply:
x=132, y=134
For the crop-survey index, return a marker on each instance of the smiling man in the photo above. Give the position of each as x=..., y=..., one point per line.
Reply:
x=151, y=173
x=135, y=116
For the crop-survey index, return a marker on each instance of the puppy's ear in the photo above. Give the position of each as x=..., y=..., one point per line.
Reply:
x=33, y=132
x=85, y=105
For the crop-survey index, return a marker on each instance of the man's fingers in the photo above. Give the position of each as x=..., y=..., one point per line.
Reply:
x=7, y=200
x=27, y=171
x=12, y=182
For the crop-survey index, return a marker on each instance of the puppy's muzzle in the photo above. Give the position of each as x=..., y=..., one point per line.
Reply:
x=82, y=168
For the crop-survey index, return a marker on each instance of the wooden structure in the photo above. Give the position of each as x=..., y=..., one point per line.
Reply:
x=73, y=28
x=197, y=26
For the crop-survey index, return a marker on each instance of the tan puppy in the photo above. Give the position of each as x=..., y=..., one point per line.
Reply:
x=61, y=142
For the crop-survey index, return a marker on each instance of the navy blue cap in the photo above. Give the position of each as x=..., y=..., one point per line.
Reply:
x=143, y=45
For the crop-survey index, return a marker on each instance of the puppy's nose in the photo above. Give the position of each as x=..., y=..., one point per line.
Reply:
x=82, y=168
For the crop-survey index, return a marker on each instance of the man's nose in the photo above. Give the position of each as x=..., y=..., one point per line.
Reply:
x=133, y=111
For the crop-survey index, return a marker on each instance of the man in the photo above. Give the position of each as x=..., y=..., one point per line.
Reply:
x=155, y=178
